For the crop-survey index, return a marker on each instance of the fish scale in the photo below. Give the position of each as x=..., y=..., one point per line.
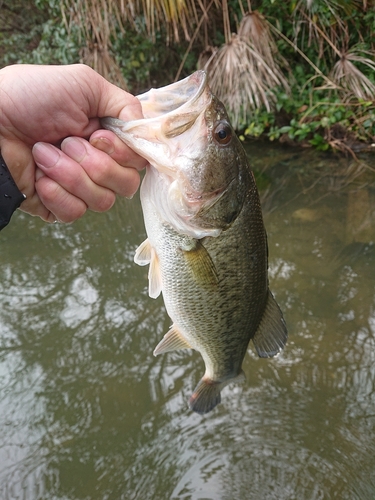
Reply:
x=206, y=243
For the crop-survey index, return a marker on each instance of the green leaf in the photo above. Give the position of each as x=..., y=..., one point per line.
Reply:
x=285, y=129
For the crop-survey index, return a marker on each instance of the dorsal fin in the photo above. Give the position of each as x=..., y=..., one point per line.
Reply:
x=271, y=335
x=172, y=341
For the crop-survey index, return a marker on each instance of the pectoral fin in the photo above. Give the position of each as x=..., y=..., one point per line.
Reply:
x=271, y=335
x=201, y=264
x=142, y=255
x=172, y=341
x=145, y=254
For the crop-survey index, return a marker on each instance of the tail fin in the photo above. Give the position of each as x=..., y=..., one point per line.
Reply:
x=206, y=396
x=207, y=393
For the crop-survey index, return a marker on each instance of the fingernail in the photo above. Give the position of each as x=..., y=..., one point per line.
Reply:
x=45, y=155
x=74, y=148
x=103, y=144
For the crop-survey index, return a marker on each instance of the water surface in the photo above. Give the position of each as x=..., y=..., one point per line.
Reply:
x=87, y=412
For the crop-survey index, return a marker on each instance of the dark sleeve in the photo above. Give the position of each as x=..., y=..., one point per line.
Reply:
x=10, y=196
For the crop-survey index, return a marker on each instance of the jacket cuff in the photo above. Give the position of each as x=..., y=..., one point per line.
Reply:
x=10, y=196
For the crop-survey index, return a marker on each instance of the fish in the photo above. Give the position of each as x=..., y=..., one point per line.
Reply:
x=206, y=244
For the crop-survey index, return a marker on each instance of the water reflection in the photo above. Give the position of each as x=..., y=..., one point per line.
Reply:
x=86, y=411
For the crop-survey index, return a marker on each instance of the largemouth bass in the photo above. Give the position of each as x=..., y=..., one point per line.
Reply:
x=206, y=245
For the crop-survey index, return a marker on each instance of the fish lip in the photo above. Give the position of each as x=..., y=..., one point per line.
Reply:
x=181, y=88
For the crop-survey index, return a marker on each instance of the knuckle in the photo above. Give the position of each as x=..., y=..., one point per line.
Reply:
x=104, y=202
x=47, y=189
x=98, y=166
x=101, y=173
x=72, y=216
x=131, y=184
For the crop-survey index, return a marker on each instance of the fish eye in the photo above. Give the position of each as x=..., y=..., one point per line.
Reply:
x=222, y=133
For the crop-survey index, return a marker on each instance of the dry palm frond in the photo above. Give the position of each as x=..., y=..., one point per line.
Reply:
x=329, y=84
x=101, y=60
x=96, y=20
x=99, y=20
x=241, y=78
x=206, y=56
x=349, y=77
x=203, y=19
x=322, y=21
x=244, y=71
x=174, y=14
x=254, y=29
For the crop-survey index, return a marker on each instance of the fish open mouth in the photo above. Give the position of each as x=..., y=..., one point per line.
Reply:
x=170, y=113
x=178, y=96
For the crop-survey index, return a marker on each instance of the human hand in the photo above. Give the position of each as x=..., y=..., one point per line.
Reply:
x=48, y=113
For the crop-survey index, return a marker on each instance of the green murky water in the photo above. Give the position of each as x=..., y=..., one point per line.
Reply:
x=87, y=412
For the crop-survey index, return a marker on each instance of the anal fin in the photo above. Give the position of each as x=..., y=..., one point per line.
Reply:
x=173, y=340
x=271, y=335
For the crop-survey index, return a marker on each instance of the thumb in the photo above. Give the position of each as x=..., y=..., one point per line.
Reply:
x=118, y=103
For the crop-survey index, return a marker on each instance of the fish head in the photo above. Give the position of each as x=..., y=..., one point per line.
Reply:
x=192, y=149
